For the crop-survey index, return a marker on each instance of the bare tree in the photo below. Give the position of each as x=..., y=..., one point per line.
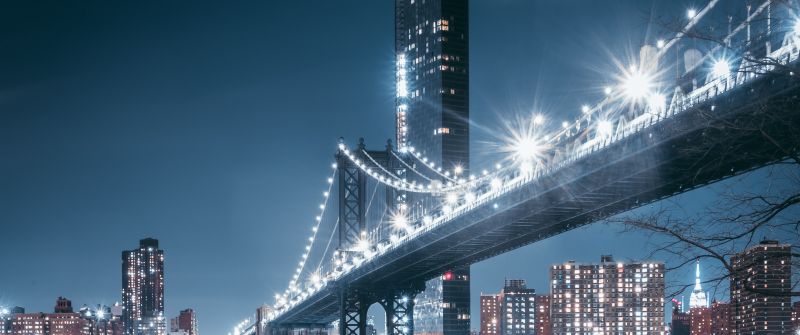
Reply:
x=764, y=204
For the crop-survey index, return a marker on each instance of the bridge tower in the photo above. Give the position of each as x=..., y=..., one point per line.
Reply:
x=398, y=302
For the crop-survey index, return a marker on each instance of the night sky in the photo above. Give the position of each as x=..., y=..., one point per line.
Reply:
x=212, y=125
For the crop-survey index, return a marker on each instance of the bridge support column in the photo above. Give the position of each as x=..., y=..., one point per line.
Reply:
x=353, y=318
x=399, y=306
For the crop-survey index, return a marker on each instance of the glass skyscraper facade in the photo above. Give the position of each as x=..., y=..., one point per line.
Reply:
x=432, y=50
x=143, y=289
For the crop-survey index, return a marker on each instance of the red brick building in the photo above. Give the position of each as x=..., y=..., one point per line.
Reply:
x=701, y=321
x=543, y=324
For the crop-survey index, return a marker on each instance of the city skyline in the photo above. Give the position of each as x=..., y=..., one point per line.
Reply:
x=186, y=146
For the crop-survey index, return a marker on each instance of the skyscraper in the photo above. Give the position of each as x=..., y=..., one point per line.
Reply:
x=490, y=315
x=698, y=297
x=608, y=298
x=796, y=317
x=432, y=48
x=517, y=308
x=432, y=116
x=143, y=289
x=760, y=287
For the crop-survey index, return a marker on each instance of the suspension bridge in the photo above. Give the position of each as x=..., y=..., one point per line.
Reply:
x=400, y=219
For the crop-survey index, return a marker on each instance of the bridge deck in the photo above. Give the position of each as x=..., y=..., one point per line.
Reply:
x=687, y=151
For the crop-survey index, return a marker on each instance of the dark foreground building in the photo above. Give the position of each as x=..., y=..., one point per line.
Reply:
x=143, y=289
x=432, y=49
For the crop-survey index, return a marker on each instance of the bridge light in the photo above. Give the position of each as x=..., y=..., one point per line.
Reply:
x=636, y=85
x=691, y=13
x=585, y=109
x=469, y=197
x=660, y=44
x=400, y=221
x=452, y=198
x=458, y=170
x=721, y=68
x=538, y=119
x=604, y=128
x=496, y=184
x=607, y=90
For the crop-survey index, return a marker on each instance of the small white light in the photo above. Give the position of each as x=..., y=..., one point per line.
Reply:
x=330, y=180
x=691, y=13
x=721, y=68
x=607, y=90
x=660, y=44
x=604, y=128
x=585, y=109
x=538, y=119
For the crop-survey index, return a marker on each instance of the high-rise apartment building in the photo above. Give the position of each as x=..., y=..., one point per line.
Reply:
x=543, y=325
x=490, y=315
x=432, y=48
x=796, y=317
x=143, y=289
x=517, y=308
x=185, y=322
x=608, y=298
x=760, y=287
x=720, y=318
x=432, y=115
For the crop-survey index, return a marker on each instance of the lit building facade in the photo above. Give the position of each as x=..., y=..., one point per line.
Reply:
x=796, y=317
x=143, y=289
x=543, y=325
x=65, y=321
x=760, y=287
x=721, y=318
x=608, y=298
x=186, y=321
x=432, y=48
x=701, y=323
x=698, y=297
x=432, y=116
x=517, y=308
x=490, y=314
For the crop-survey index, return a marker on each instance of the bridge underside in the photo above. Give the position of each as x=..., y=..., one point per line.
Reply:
x=726, y=136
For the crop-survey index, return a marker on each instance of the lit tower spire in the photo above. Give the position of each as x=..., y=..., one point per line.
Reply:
x=698, y=297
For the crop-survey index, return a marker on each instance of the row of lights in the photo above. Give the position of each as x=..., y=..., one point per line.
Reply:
x=636, y=87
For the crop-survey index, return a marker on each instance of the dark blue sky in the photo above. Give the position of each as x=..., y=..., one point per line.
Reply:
x=211, y=126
